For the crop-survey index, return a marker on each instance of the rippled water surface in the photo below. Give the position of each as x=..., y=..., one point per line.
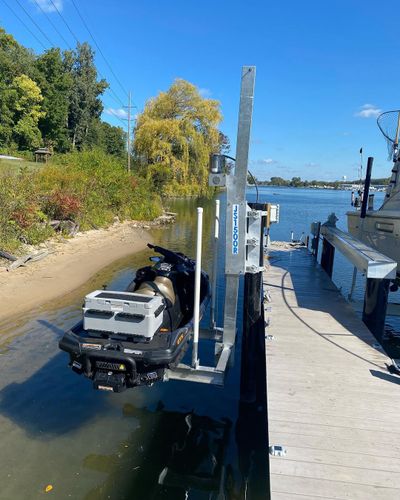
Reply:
x=55, y=430
x=194, y=439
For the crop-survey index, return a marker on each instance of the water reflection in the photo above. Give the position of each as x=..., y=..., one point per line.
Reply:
x=42, y=404
x=170, y=454
x=174, y=440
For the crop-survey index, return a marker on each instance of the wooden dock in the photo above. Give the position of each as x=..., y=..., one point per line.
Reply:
x=331, y=401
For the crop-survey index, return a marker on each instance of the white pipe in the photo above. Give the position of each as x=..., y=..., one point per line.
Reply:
x=197, y=282
x=213, y=322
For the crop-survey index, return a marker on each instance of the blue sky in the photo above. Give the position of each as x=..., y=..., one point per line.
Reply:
x=324, y=69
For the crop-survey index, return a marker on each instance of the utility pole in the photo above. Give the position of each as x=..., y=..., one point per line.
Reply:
x=129, y=107
x=129, y=133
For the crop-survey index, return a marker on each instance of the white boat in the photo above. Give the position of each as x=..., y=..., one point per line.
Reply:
x=380, y=228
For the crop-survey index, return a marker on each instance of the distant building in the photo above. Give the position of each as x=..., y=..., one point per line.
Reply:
x=42, y=155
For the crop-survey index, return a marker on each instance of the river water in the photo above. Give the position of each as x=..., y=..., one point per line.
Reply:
x=57, y=432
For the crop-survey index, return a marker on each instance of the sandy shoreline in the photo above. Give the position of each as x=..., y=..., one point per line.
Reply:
x=70, y=265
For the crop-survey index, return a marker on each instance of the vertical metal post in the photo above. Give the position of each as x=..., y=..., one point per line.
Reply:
x=213, y=319
x=236, y=207
x=366, y=188
x=375, y=305
x=327, y=257
x=363, y=213
x=252, y=424
x=197, y=283
x=315, y=243
x=129, y=133
x=253, y=339
x=371, y=201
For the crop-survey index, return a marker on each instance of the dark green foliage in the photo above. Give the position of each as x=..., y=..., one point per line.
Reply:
x=85, y=105
x=63, y=107
x=56, y=85
x=111, y=140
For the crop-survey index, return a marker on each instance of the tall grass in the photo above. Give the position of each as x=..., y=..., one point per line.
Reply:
x=89, y=188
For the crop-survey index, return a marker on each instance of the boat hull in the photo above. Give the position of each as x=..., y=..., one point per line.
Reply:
x=116, y=359
x=379, y=230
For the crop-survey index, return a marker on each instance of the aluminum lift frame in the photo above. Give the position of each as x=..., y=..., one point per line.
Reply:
x=242, y=248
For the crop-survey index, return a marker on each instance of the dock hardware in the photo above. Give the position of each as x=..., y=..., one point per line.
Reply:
x=246, y=236
x=277, y=451
x=242, y=247
x=378, y=269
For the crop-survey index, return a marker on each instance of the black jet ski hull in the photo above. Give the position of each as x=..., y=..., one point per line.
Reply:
x=116, y=364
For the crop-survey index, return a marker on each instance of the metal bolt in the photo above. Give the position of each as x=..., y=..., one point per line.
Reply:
x=277, y=451
x=252, y=241
x=267, y=296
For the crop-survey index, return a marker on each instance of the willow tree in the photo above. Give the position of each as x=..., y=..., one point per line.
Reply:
x=174, y=137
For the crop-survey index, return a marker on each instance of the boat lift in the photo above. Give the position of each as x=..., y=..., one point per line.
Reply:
x=243, y=248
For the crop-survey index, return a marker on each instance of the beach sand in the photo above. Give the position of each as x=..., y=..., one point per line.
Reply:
x=71, y=263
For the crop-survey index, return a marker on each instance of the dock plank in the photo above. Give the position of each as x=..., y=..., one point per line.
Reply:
x=331, y=401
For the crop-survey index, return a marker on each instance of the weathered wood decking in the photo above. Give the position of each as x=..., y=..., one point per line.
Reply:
x=331, y=401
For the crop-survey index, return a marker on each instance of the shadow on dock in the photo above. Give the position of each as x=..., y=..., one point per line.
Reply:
x=314, y=290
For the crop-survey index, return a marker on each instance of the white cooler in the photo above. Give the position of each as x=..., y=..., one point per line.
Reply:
x=123, y=312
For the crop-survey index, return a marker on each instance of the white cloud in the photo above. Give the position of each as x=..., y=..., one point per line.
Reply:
x=368, y=111
x=204, y=92
x=264, y=161
x=311, y=164
x=47, y=5
x=118, y=112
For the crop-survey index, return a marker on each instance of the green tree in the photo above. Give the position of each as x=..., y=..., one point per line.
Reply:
x=56, y=85
x=295, y=182
x=25, y=100
x=85, y=103
x=174, y=137
x=110, y=139
x=278, y=181
x=15, y=60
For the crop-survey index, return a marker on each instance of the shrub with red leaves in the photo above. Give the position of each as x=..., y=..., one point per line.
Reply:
x=25, y=216
x=63, y=206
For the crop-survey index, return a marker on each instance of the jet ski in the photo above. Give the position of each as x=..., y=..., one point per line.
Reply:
x=128, y=339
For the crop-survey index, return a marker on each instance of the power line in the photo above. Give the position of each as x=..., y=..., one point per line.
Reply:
x=64, y=21
x=35, y=23
x=98, y=47
x=26, y=26
x=111, y=91
x=77, y=40
x=112, y=112
x=54, y=26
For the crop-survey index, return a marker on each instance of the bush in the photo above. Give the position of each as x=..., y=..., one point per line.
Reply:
x=89, y=187
x=62, y=206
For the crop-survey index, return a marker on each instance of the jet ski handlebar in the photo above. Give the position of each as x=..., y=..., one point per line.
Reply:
x=170, y=256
